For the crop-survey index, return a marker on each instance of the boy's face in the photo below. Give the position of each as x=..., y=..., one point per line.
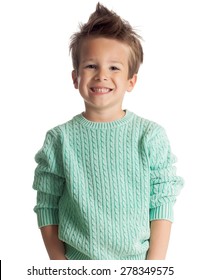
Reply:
x=102, y=77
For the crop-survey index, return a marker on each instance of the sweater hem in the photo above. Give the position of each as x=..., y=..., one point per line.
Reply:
x=74, y=254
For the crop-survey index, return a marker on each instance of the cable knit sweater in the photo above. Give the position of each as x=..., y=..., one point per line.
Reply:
x=103, y=183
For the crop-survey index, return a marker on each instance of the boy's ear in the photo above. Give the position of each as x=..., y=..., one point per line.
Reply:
x=132, y=82
x=75, y=79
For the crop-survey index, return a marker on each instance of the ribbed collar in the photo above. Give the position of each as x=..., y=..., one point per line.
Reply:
x=104, y=125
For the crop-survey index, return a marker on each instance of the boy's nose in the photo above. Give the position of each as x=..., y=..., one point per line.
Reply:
x=101, y=75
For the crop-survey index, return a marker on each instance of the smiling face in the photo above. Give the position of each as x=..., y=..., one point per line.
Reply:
x=102, y=77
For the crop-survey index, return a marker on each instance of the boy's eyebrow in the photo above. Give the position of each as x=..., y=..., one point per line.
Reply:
x=110, y=61
x=116, y=61
x=87, y=60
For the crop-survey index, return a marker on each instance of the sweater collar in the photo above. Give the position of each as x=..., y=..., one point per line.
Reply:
x=104, y=125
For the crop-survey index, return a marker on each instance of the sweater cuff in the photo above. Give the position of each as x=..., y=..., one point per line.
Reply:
x=163, y=212
x=47, y=217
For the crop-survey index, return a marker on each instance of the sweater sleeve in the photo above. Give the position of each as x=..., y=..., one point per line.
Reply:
x=48, y=180
x=165, y=185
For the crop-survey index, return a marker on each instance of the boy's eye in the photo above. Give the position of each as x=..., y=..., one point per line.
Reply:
x=91, y=66
x=114, y=68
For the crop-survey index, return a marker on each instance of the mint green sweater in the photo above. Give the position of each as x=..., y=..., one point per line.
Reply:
x=103, y=183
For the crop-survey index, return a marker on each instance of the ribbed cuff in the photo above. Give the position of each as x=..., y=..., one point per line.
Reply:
x=47, y=217
x=163, y=212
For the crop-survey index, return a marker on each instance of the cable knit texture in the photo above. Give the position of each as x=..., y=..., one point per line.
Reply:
x=102, y=183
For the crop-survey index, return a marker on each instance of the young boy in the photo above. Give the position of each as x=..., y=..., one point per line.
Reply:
x=105, y=180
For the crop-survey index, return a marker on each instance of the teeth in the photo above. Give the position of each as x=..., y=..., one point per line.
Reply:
x=101, y=90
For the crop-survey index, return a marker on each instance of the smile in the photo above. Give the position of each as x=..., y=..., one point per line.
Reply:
x=100, y=90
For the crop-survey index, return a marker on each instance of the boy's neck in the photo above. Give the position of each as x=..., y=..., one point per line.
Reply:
x=103, y=116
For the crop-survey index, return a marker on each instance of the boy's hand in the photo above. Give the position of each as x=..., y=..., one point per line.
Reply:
x=54, y=246
x=159, y=239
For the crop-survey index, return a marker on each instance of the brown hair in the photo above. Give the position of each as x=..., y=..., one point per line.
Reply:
x=105, y=23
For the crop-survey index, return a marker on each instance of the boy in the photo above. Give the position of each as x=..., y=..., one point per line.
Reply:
x=105, y=180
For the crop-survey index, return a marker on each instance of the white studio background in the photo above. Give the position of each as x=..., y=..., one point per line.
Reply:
x=37, y=94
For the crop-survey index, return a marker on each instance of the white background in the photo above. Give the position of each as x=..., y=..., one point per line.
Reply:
x=37, y=94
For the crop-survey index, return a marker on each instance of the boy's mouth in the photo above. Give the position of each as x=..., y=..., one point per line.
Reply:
x=100, y=90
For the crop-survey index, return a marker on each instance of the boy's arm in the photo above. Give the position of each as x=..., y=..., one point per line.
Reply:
x=165, y=185
x=49, y=181
x=55, y=247
x=159, y=239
